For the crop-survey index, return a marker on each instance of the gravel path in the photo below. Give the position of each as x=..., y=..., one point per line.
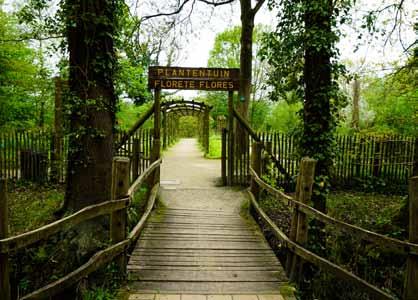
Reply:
x=188, y=180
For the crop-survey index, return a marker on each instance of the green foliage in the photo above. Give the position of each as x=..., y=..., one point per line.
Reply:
x=285, y=118
x=215, y=147
x=128, y=113
x=226, y=49
x=17, y=78
x=99, y=294
x=131, y=81
x=393, y=100
x=137, y=207
x=188, y=127
x=225, y=53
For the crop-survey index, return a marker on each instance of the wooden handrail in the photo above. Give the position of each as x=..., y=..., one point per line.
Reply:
x=135, y=127
x=135, y=232
x=87, y=213
x=370, y=236
x=102, y=257
x=317, y=260
x=95, y=262
x=253, y=134
x=134, y=186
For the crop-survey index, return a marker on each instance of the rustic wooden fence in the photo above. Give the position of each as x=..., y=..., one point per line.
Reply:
x=296, y=241
x=122, y=192
x=360, y=159
x=31, y=155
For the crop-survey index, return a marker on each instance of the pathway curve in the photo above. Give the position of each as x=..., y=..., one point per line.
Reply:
x=196, y=245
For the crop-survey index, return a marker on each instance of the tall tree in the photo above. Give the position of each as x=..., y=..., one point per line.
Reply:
x=226, y=53
x=91, y=28
x=355, y=120
x=246, y=53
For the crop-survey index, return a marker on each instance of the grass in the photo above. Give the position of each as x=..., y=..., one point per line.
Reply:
x=368, y=210
x=32, y=206
x=215, y=147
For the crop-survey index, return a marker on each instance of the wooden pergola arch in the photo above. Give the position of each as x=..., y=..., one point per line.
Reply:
x=187, y=108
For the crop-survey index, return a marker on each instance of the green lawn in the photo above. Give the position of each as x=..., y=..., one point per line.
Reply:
x=32, y=206
x=215, y=147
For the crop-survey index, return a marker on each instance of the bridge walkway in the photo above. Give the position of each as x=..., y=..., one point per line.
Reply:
x=199, y=243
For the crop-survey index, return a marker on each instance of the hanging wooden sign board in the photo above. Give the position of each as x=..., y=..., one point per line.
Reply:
x=179, y=78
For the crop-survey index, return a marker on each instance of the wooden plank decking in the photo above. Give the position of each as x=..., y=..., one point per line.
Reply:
x=201, y=251
x=197, y=242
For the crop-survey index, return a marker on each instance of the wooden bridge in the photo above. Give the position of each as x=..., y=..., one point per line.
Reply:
x=197, y=241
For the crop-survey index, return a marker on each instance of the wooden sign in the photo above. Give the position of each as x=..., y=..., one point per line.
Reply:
x=177, y=78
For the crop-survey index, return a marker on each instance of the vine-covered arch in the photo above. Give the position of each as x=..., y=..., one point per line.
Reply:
x=181, y=108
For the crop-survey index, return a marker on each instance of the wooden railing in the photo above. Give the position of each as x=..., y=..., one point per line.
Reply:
x=121, y=192
x=365, y=159
x=298, y=236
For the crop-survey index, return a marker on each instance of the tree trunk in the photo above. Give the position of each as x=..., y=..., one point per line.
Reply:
x=90, y=30
x=245, y=77
x=246, y=56
x=317, y=135
x=356, y=99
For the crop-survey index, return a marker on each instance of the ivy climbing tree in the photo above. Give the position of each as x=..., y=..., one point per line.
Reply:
x=303, y=55
x=90, y=28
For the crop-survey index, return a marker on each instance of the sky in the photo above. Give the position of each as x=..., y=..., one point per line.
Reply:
x=195, y=48
x=367, y=58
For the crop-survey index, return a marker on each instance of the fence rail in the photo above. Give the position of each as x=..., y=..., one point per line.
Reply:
x=297, y=239
x=360, y=159
x=30, y=155
x=122, y=191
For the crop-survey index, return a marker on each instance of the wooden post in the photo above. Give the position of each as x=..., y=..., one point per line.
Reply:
x=411, y=277
x=120, y=186
x=293, y=228
x=266, y=158
x=164, y=129
x=206, y=130
x=256, y=161
x=58, y=135
x=307, y=173
x=135, y=159
x=155, y=154
x=223, y=157
x=230, y=138
x=4, y=232
x=415, y=166
x=377, y=160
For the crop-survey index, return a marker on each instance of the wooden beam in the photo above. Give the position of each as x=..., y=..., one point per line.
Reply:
x=223, y=156
x=144, y=175
x=411, y=276
x=135, y=127
x=256, y=149
x=320, y=262
x=230, y=138
x=118, y=218
x=98, y=260
x=4, y=232
x=136, y=231
x=136, y=160
x=253, y=134
x=87, y=213
x=307, y=173
x=376, y=238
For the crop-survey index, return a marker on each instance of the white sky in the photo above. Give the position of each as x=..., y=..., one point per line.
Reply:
x=195, y=51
